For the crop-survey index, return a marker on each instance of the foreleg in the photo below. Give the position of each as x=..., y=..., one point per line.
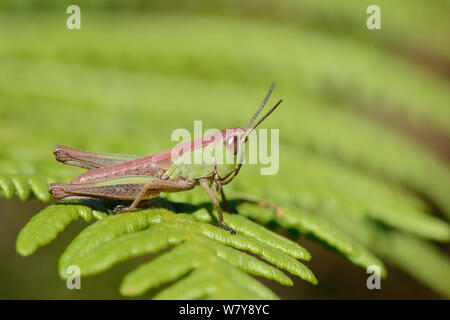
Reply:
x=213, y=197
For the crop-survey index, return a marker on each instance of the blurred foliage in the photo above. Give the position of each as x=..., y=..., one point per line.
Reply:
x=360, y=169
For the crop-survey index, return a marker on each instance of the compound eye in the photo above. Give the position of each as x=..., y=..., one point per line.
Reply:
x=232, y=144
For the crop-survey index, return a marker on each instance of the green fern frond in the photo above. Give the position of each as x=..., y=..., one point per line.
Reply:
x=45, y=226
x=412, y=254
x=24, y=186
x=117, y=238
x=330, y=188
x=306, y=223
x=211, y=277
x=359, y=239
x=316, y=226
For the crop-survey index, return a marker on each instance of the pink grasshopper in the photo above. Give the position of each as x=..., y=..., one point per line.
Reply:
x=124, y=177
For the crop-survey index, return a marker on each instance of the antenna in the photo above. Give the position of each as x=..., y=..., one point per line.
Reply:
x=262, y=119
x=260, y=107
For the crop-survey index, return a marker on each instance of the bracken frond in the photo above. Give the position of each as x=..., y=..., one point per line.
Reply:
x=214, y=253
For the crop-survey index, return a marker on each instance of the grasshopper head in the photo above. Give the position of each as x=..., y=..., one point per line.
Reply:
x=236, y=138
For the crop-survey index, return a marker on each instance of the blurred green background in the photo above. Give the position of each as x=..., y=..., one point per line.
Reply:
x=364, y=127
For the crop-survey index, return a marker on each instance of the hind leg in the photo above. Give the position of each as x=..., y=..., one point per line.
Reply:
x=153, y=189
x=122, y=207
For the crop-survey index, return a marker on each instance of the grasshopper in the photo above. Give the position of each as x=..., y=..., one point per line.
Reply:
x=125, y=177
